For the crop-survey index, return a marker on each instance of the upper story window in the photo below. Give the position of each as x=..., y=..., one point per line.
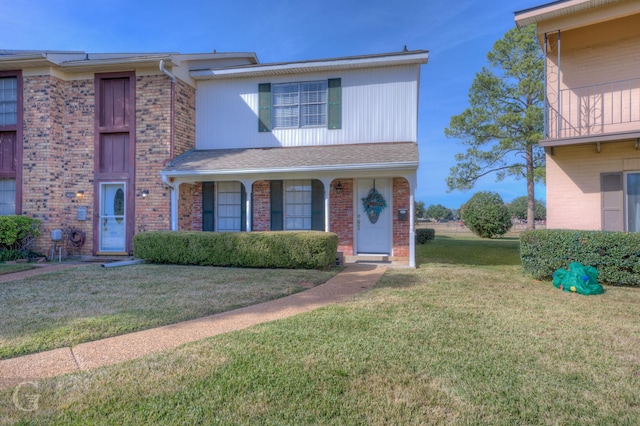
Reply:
x=300, y=104
x=8, y=101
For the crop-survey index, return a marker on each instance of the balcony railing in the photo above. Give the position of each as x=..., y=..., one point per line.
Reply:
x=594, y=110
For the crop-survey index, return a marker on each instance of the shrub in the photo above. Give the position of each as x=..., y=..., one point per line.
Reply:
x=486, y=215
x=17, y=235
x=424, y=235
x=8, y=255
x=616, y=255
x=285, y=249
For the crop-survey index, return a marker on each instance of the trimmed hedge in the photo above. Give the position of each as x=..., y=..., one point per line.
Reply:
x=616, y=255
x=283, y=249
x=424, y=235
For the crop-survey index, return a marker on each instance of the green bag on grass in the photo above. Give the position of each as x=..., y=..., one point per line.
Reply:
x=578, y=279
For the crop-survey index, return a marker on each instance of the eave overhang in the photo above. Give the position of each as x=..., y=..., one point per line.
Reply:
x=308, y=161
x=356, y=62
x=556, y=9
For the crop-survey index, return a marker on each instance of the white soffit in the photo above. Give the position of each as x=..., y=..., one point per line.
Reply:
x=556, y=9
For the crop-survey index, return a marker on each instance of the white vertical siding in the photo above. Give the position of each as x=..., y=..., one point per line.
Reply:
x=378, y=105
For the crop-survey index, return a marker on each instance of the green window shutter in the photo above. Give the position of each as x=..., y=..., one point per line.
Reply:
x=317, y=205
x=277, y=202
x=334, y=108
x=208, y=200
x=243, y=208
x=264, y=107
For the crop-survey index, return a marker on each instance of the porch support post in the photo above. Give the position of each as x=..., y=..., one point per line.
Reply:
x=326, y=182
x=175, y=196
x=248, y=187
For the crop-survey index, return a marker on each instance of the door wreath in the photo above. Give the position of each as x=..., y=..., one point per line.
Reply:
x=373, y=204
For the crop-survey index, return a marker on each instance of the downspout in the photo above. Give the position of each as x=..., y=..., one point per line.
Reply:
x=174, y=188
x=172, y=113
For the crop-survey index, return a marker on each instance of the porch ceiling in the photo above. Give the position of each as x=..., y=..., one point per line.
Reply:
x=372, y=156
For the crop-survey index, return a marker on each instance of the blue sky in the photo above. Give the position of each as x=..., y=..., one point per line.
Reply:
x=458, y=34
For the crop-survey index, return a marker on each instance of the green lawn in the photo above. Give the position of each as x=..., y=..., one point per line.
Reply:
x=61, y=309
x=463, y=339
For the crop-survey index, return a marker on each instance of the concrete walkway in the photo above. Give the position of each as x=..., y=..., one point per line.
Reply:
x=85, y=356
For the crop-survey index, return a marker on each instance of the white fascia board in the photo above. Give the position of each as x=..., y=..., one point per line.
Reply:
x=409, y=165
x=319, y=65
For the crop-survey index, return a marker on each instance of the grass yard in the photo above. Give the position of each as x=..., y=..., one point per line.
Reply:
x=6, y=268
x=464, y=339
x=62, y=309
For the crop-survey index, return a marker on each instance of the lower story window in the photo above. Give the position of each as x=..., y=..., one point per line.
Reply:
x=229, y=206
x=7, y=197
x=633, y=202
x=297, y=201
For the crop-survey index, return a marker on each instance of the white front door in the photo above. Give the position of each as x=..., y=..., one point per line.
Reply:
x=113, y=221
x=373, y=221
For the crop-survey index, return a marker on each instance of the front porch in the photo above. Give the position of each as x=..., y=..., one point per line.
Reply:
x=318, y=188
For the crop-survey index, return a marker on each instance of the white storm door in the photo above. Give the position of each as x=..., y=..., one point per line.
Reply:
x=112, y=226
x=373, y=221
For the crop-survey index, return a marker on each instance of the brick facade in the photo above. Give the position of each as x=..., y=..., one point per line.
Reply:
x=261, y=206
x=401, y=228
x=58, y=153
x=341, y=218
x=340, y=206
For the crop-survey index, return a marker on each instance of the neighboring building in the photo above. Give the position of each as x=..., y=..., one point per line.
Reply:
x=592, y=120
x=114, y=144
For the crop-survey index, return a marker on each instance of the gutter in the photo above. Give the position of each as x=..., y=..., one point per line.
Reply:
x=410, y=165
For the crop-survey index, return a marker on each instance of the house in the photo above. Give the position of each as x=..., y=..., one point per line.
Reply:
x=107, y=145
x=592, y=117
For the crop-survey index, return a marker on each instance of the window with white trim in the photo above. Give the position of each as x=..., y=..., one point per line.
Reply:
x=297, y=202
x=300, y=104
x=229, y=206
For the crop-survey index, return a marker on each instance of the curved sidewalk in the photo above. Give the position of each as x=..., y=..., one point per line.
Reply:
x=112, y=350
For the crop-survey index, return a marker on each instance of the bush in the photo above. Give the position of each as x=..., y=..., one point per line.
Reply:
x=9, y=255
x=17, y=235
x=616, y=255
x=486, y=215
x=285, y=249
x=424, y=235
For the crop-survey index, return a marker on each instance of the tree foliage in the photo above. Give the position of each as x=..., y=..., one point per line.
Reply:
x=518, y=208
x=420, y=209
x=438, y=212
x=504, y=121
x=486, y=215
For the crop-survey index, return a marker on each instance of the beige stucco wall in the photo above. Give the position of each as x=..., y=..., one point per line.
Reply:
x=573, y=181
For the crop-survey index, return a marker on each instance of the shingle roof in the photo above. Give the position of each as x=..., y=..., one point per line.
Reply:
x=293, y=159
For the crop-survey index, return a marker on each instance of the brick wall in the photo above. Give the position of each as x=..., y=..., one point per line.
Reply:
x=185, y=118
x=401, y=200
x=78, y=164
x=190, y=207
x=341, y=218
x=153, y=136
x=261, y=206
x=58, y=140
x=43, y=143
